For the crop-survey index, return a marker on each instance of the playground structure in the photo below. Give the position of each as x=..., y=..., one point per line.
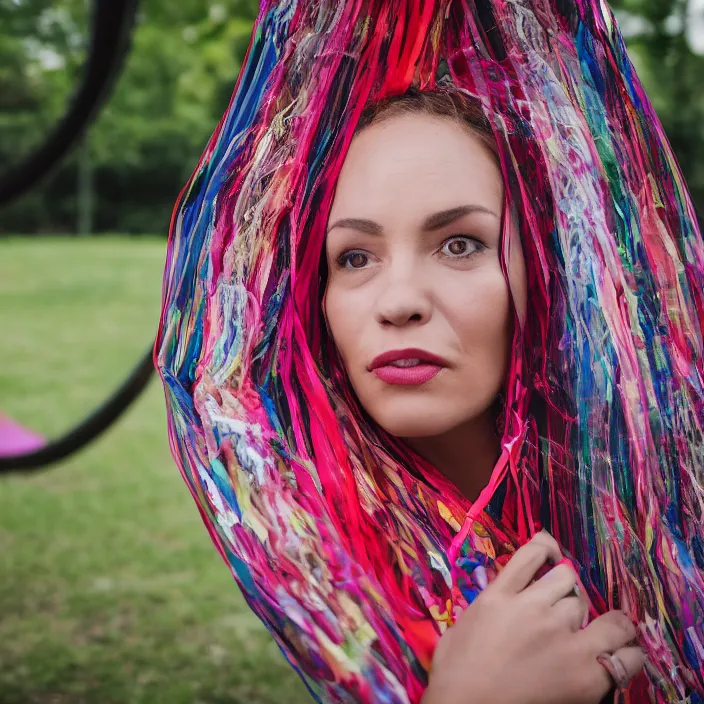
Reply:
x=22, y=449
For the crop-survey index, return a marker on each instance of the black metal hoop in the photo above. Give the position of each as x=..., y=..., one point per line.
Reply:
x=112, y=22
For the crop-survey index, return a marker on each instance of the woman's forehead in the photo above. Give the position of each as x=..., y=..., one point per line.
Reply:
x=416, y=162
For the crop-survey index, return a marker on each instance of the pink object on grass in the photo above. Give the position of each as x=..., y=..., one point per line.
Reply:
x=15, y=439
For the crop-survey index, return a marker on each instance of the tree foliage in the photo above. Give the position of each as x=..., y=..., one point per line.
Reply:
x=177, y=82
x=672, y=75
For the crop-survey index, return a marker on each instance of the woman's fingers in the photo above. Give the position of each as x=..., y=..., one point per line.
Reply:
x=633, y=659
x=608, y=633
x=557, y=584
x=572, y=611
x=521, y=568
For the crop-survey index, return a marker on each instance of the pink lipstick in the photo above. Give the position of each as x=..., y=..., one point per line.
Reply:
x=410, y=367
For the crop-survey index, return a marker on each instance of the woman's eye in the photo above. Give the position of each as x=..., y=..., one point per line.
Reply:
x=353, y=260
x=457, y=247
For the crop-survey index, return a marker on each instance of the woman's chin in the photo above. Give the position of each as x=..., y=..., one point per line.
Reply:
x=422, y=413
x=407, y=422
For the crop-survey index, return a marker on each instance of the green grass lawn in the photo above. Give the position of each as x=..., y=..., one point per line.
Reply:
x=110, y=590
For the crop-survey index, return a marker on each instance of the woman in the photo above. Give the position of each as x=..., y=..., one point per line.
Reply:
x=413, y=248
x=409, y=321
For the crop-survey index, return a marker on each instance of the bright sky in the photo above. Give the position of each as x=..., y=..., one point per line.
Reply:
x=695, y=26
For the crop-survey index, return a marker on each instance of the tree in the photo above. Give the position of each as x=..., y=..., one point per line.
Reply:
x=177, y=83
x=672, y=75
x=182, y=66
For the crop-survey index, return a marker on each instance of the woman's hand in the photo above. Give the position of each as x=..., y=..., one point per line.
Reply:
x=521, y=641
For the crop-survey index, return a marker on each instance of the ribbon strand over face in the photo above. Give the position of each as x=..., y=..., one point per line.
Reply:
x=354, y=553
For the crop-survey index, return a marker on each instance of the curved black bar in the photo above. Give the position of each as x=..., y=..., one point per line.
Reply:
x=112, y=22
x=90, y=428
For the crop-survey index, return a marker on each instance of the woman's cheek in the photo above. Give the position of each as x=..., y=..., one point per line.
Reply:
x=484, y=319
x=342, y=319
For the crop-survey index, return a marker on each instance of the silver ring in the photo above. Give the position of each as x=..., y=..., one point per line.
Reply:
x=615, y=667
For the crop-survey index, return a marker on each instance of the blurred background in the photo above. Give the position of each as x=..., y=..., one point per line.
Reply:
x=110, y=590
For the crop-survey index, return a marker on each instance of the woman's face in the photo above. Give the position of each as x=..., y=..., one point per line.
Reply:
x=416, y=300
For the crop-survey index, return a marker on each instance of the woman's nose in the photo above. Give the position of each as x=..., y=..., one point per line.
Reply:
x=403, y=300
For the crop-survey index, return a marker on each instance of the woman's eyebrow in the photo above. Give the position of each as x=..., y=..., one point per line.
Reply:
x=368, y=226
x=445, y=217
x=434, y=222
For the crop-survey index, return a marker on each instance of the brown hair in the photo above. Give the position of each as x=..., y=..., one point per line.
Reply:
x=450, y=104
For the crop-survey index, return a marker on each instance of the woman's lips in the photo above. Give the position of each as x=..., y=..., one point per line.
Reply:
x=407, y=367
x=408, y=376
